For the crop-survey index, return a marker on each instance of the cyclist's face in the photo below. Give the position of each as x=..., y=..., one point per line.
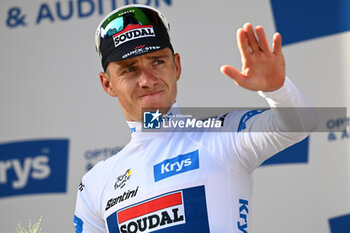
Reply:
x=147, y=81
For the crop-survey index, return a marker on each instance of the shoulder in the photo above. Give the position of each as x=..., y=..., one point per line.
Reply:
x=234, y=120
x=103, y=167
x=95, y=178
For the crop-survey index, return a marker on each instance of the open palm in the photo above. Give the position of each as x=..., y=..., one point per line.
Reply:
x=262, y=68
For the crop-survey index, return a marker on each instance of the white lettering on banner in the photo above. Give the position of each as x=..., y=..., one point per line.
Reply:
x=38, y=166
x=67, y=10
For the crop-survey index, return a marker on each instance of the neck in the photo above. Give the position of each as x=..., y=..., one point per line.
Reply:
x=137, y=125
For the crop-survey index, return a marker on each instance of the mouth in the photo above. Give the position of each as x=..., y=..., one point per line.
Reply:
x=151, y=95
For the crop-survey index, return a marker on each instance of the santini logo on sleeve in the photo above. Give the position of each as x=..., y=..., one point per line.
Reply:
x=181, y=163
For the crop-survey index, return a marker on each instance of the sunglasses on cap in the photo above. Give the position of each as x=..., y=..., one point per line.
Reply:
x=119, y=19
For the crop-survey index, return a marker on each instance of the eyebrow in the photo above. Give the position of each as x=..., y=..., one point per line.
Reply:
x=127, y=64
x=156, y=57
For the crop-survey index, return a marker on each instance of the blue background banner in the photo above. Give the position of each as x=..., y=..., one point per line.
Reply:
x=340, y=224
x=32, y=167
x=299, y=20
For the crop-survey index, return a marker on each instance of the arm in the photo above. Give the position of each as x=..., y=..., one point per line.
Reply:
x=86, y=217
x=265, y=134
x=263, y=70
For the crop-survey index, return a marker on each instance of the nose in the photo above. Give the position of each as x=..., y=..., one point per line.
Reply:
x=147, y=79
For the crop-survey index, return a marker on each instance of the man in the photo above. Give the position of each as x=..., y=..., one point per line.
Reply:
x=187, y=181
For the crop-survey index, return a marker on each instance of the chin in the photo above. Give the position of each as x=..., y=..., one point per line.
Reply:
x=156, y=105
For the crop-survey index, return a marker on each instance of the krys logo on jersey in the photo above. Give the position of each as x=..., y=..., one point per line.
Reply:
x=174, y=166
x=29, y=167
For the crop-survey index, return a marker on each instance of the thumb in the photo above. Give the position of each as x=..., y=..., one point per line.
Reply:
x=232, y=73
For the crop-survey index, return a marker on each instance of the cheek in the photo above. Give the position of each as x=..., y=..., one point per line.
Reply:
x=173, y=89
x=122, y=89
x=124, y=95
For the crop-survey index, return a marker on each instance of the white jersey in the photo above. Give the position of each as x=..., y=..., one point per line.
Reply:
x=187, y=182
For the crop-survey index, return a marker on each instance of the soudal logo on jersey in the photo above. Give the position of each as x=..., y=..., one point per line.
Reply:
x=37, y=166
x=132, y=32
x=156, y=214
x=178, y=211
x=181, y=163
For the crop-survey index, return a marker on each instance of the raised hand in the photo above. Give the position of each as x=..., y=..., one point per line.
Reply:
x=262, y=69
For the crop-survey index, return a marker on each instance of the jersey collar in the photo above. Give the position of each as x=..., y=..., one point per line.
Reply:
x=136, y=126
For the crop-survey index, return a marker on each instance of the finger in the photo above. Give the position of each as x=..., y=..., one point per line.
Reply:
x=248, y=28
x=243, y=45
x=277, y=44
x=263, y=41
x=232, y=73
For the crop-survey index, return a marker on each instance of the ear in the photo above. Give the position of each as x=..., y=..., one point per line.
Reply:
x=177, y=63
x=107, y=85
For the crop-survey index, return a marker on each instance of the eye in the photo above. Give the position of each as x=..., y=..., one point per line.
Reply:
x=130, y=69
x=158, y=62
